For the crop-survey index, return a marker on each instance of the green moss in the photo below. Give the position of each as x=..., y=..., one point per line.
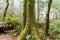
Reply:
x=24, y=14
x=30, y=22
x=34, y=34
x=31, y=15
x=23, y=34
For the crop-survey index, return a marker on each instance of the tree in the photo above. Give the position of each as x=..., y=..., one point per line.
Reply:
x=24, y=27
x=5, y=10
x=24, y=14
x=30, y=22
x=31, y=19
x=47, y=17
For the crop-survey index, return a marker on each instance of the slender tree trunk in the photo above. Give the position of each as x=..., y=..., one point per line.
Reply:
x=24, y=14
x=5, y=10
x=25, y=24
x=47, y=17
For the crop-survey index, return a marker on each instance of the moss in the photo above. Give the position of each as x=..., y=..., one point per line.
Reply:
x=25, y=24
x=30, y=22
x=23, y=34
x=34, y=34
x=31, y=15
x=24, y=14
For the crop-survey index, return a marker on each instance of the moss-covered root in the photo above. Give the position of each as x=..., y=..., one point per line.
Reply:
x=23, y=34
x=34, y=34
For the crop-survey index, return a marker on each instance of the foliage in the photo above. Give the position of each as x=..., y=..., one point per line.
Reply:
x=13, y=22
x=55, y=4
x=28, y=37
x=55, y=28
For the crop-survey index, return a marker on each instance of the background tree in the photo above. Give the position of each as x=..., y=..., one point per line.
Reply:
x=47, y=17
x=5, y=10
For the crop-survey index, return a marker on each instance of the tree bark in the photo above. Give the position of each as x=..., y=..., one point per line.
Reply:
x=31, y=17
x=24, y=14
x=30, y=22
x=47, y=17
x=25, y=24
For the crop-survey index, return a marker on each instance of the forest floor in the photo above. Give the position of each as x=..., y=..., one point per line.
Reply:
x=7, y=36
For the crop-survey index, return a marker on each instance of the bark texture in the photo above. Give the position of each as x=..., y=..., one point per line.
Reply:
x=24, y=14
x=30, y=22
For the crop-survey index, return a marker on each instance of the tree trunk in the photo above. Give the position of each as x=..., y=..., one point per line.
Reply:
x=23, y=34
x=5, y=10
x=31, y=17
x=30, y=22
x=25, y=24
x=47, y=17
x=24, y=14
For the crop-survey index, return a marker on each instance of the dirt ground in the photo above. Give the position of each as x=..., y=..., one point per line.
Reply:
x=5, y=37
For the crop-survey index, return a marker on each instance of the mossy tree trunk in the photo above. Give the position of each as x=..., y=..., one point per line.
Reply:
x=24, y=14
x=31, y=15
x=25, y=25
x=30, y=22
x=5, y=10
x=47, y=17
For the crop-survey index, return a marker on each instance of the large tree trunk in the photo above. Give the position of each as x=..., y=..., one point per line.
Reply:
x=30, y=22
x=31, y=15
x=24, y=14
x=5, y=10
x=47, y=17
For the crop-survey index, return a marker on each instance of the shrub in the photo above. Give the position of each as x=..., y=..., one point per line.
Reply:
x=13, y=22
x=55, y=28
